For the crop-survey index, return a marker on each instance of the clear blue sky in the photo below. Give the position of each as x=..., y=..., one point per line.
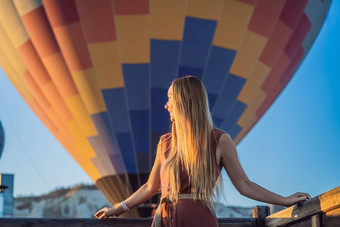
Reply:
x=294, y=147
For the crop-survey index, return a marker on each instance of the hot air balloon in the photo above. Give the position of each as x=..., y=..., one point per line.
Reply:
x=97, y=72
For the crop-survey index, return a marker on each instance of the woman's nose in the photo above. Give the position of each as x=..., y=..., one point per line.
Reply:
x=166, y=106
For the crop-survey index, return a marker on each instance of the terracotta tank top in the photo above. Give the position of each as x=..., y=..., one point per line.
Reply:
x=187, y=212
x=166, y=145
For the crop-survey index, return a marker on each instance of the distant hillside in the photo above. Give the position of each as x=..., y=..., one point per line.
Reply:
x=78, y=202
x=82, y=202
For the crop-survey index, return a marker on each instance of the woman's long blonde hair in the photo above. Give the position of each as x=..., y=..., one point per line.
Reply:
x=190, y=141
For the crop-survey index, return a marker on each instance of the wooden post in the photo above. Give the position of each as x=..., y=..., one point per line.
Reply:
x=316, y=220
x=260, y=213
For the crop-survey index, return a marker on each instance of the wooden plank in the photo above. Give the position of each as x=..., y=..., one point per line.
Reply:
x=320, y=204
x=75, y=222
x=111, y=222
x=236, y=222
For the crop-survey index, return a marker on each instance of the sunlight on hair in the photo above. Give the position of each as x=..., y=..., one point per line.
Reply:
x=193, y=152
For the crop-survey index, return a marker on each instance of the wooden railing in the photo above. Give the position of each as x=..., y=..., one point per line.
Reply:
x=112, y=222
x=323, y=210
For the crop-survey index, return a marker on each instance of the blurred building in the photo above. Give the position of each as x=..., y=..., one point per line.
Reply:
x=6, y=180
x=6, y=196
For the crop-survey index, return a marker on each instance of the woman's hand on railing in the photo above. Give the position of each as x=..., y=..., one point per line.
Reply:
x=106, y=212
x=295, y=198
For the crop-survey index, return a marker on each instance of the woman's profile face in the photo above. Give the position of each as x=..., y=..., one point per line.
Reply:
x=169, y=105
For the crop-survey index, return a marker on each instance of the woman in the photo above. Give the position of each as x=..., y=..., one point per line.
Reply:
x=188, y=162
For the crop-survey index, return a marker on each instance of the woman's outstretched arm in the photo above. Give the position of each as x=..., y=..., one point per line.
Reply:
x=227, y=150
x=144, y=193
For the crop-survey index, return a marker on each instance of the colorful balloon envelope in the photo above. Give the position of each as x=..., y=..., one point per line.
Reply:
x=96, y=73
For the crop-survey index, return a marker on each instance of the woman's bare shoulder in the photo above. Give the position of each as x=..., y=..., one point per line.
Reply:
x=164, y=144
x=223, y=136
x=165, y=139
x=224, y=141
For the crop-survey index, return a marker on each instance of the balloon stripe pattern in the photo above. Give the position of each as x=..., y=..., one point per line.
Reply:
x=97, y=73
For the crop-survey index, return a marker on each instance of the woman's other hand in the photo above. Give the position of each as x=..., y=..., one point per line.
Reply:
x=295, y=198
x=102, y=213
x=106, y=212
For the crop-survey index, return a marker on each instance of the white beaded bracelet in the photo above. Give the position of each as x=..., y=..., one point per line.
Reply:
x=125, y=207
